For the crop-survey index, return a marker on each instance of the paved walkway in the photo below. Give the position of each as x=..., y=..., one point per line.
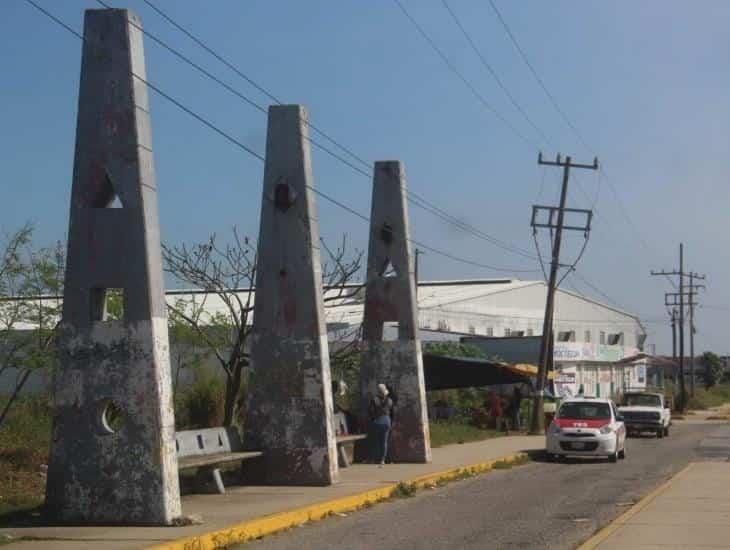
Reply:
x=246, y=503
x=691, y=510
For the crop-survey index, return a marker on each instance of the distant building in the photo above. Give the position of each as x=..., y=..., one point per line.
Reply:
x=590, y=337
x=504, y=317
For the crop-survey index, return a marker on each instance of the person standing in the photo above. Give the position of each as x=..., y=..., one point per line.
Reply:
x=495, y=410
x=515, y=405
x=381, y=410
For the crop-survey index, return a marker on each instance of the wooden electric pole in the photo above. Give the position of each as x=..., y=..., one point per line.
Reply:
x=674, y=333
x=692, y=303
x=537, y=423
x=677, y=300
x=418, y=253
x=682, y=392
x=674, y=344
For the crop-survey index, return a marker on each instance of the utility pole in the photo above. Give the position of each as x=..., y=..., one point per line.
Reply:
x=692, y=304
x=674, y=333
x=418, y=252
x=682, y=392
x=537, y=423
x=691, y=338
x=674, y=342
x=677, y=300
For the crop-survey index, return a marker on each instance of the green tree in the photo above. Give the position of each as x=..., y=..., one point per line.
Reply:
x=227, y=274
x=31, y=285
x=713, y=368
x=189, y=348
x=454, y=349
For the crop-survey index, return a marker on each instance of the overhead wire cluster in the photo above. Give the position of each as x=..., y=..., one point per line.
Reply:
x=432, y=43
x=414, y=198
x=553, y=101
x=344, y=154
x=576, y=132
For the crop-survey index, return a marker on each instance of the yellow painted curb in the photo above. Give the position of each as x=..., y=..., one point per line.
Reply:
x=259, y=527
x=620, y=521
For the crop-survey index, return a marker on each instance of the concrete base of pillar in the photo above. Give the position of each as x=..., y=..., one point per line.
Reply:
x=399, y=365
x=113, y=458
x=289, y=414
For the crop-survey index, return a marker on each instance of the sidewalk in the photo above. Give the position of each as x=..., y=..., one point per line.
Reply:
x=691, y=510
x=359, y=484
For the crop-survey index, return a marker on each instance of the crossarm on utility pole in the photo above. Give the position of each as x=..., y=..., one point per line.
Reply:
x=537, y=422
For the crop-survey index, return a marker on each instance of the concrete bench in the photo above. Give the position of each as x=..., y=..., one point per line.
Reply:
x=208, y=448
x=344, y=439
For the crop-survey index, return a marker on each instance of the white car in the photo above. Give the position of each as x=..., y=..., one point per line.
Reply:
x=587, y=427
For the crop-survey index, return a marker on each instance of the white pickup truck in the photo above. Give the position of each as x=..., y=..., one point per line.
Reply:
x=645, y=412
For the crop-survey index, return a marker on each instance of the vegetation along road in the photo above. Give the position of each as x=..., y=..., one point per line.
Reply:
x=539, y=505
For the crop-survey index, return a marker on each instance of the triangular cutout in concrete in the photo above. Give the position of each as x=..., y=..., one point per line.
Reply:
x=389, y=271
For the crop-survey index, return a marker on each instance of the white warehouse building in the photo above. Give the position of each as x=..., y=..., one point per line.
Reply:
x=591, y=338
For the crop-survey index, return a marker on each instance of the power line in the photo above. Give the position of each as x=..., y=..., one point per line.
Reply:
x=488, y=106
x=598, y=291
x=494, y=74
x=570, y=124
x=452, y=67
x=241, y=74
x=240, y=95
x=260, y=157
x=416, y=199
x=537, y=77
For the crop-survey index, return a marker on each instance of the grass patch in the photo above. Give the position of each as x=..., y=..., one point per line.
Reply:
x=404, y=490
x=507, y=464
x=453, y=432
x=706, y=398
x=24, y=444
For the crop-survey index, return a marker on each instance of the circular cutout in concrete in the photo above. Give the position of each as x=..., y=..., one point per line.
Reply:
x=112, y=416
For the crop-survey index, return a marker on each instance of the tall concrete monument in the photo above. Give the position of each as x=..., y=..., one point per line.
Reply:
x=289, y=412
x=390, y=296
x=113, y=449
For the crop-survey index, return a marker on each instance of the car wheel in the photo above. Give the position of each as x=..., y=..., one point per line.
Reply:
x=666, y=431
x=660, y=433
x=622, y=453
x=613, y=457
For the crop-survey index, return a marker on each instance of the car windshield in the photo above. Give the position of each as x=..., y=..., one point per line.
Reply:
x=585, y=411
x=641, y=400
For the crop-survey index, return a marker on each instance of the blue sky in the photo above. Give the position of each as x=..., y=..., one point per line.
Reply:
x=645, y=83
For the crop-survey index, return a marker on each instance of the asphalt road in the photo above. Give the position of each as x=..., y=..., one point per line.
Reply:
x=539, y=505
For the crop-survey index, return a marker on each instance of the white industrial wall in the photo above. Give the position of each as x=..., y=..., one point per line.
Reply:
x=521, y=308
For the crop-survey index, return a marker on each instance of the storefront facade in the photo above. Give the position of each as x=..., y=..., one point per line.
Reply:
x=595, y=369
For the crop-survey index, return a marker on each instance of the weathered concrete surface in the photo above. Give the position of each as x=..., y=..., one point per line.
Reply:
x=112, y=454
x=289, y=411
x=246, y=503
x=390, y=296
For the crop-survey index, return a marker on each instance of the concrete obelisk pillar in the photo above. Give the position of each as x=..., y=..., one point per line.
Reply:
x=289, y=413
x=113, y=443
x=390, y=296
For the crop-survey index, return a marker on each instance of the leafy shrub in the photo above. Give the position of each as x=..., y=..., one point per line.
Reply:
x=25, y=438
x=202, y=404
x=712, y=397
